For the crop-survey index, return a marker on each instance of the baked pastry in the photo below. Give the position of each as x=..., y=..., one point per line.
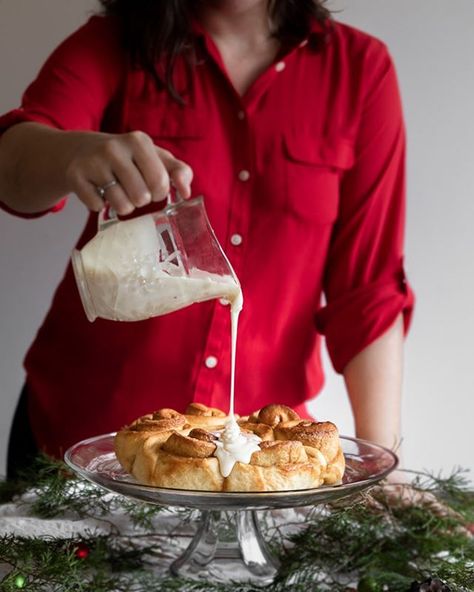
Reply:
x=155, y=428
x=174, y=450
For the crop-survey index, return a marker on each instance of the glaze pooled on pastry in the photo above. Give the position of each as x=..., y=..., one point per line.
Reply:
x=234, y=445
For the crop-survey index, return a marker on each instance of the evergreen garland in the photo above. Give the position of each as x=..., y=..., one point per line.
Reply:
x=368, y=539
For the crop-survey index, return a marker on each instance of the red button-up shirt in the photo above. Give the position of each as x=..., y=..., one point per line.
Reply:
x=303, y=179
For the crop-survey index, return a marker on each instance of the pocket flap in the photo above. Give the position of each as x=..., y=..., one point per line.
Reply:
x=304, y=147
x=189, y=128
x=176, y=122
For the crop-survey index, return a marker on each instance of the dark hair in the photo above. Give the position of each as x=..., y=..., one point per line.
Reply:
x=157, y=31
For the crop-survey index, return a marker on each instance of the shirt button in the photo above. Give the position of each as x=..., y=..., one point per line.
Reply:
x=244, y=175
x=241, y=115
x=211, y=362
x=280, y=66
x=236, y=240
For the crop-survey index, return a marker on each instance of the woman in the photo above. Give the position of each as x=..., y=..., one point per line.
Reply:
x=290, y=125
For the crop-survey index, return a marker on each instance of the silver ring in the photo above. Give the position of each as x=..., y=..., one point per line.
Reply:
x=101, y=189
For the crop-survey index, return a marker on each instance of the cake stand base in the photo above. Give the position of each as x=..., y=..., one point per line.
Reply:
x=232, y=541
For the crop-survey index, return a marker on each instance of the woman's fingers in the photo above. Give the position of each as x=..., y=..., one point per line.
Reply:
x=181, y=174
x=130, y=180
x=142, y=170
x=154, y=168
x=151, y=167
x=86, y=191
x=119, y=199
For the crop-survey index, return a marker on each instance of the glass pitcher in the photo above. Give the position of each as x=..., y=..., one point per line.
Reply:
x=153, y=264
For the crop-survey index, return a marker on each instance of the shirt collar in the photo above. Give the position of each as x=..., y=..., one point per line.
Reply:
x=197, y=29
x=318, y=30
x=317, y=26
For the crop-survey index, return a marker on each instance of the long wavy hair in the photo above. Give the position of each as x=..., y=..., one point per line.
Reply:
x=160, y=30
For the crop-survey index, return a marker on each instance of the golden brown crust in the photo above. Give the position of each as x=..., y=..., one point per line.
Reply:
x=261, y=430
x=129, y=439
x=170, y=449
x=167, y=414
x=279, y=453
x=335, y=469
x=201, y=416
x=180, y=472
x=322, y=435
x=203, y=410
x=126, y=445
x=201, y=434
x=158, y=425
x=282, y=478
x=189, y=447
x=273, y=415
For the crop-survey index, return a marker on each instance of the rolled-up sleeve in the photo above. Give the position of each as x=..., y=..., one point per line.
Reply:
x=365, y=284
x=74, y=87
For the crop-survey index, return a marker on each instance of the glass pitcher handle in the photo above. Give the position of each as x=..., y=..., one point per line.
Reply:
x=107, y=216
x=174, y=197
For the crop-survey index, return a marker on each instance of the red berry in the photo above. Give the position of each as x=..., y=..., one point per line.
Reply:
x=82, y=551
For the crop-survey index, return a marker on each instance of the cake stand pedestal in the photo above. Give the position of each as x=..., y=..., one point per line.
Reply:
x=240, y=550
x=228, y=543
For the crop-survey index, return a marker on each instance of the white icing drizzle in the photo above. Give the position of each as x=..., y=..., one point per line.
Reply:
x=233, y=445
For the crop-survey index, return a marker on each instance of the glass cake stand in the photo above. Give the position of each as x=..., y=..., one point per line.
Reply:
x=244, y=550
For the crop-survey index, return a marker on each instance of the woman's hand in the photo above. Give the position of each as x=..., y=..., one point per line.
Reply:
x=142, y=171
x=39, y=165
x=399, y=490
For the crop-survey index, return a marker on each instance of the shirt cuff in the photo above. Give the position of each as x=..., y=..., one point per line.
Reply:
x=8, y=120
x=21, y=116
x=28, y=216
x=353, y=321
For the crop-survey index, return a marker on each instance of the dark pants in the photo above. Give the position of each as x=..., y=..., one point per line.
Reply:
x=22, y=448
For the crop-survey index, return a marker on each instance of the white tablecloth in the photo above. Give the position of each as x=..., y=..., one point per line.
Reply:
x=169, y=538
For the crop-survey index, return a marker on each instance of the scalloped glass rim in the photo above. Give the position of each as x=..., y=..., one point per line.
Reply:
x=94, y=459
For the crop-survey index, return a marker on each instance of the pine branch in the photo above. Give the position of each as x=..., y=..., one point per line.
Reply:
x=363, y=539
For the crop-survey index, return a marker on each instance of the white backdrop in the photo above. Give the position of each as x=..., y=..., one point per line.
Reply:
x=432, y=42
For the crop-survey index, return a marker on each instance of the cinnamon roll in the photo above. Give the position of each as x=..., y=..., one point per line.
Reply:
x=170, y=449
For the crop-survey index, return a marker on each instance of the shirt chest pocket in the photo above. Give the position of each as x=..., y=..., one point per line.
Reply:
x=183, y=132
x=311, y=174
x=178, y=129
